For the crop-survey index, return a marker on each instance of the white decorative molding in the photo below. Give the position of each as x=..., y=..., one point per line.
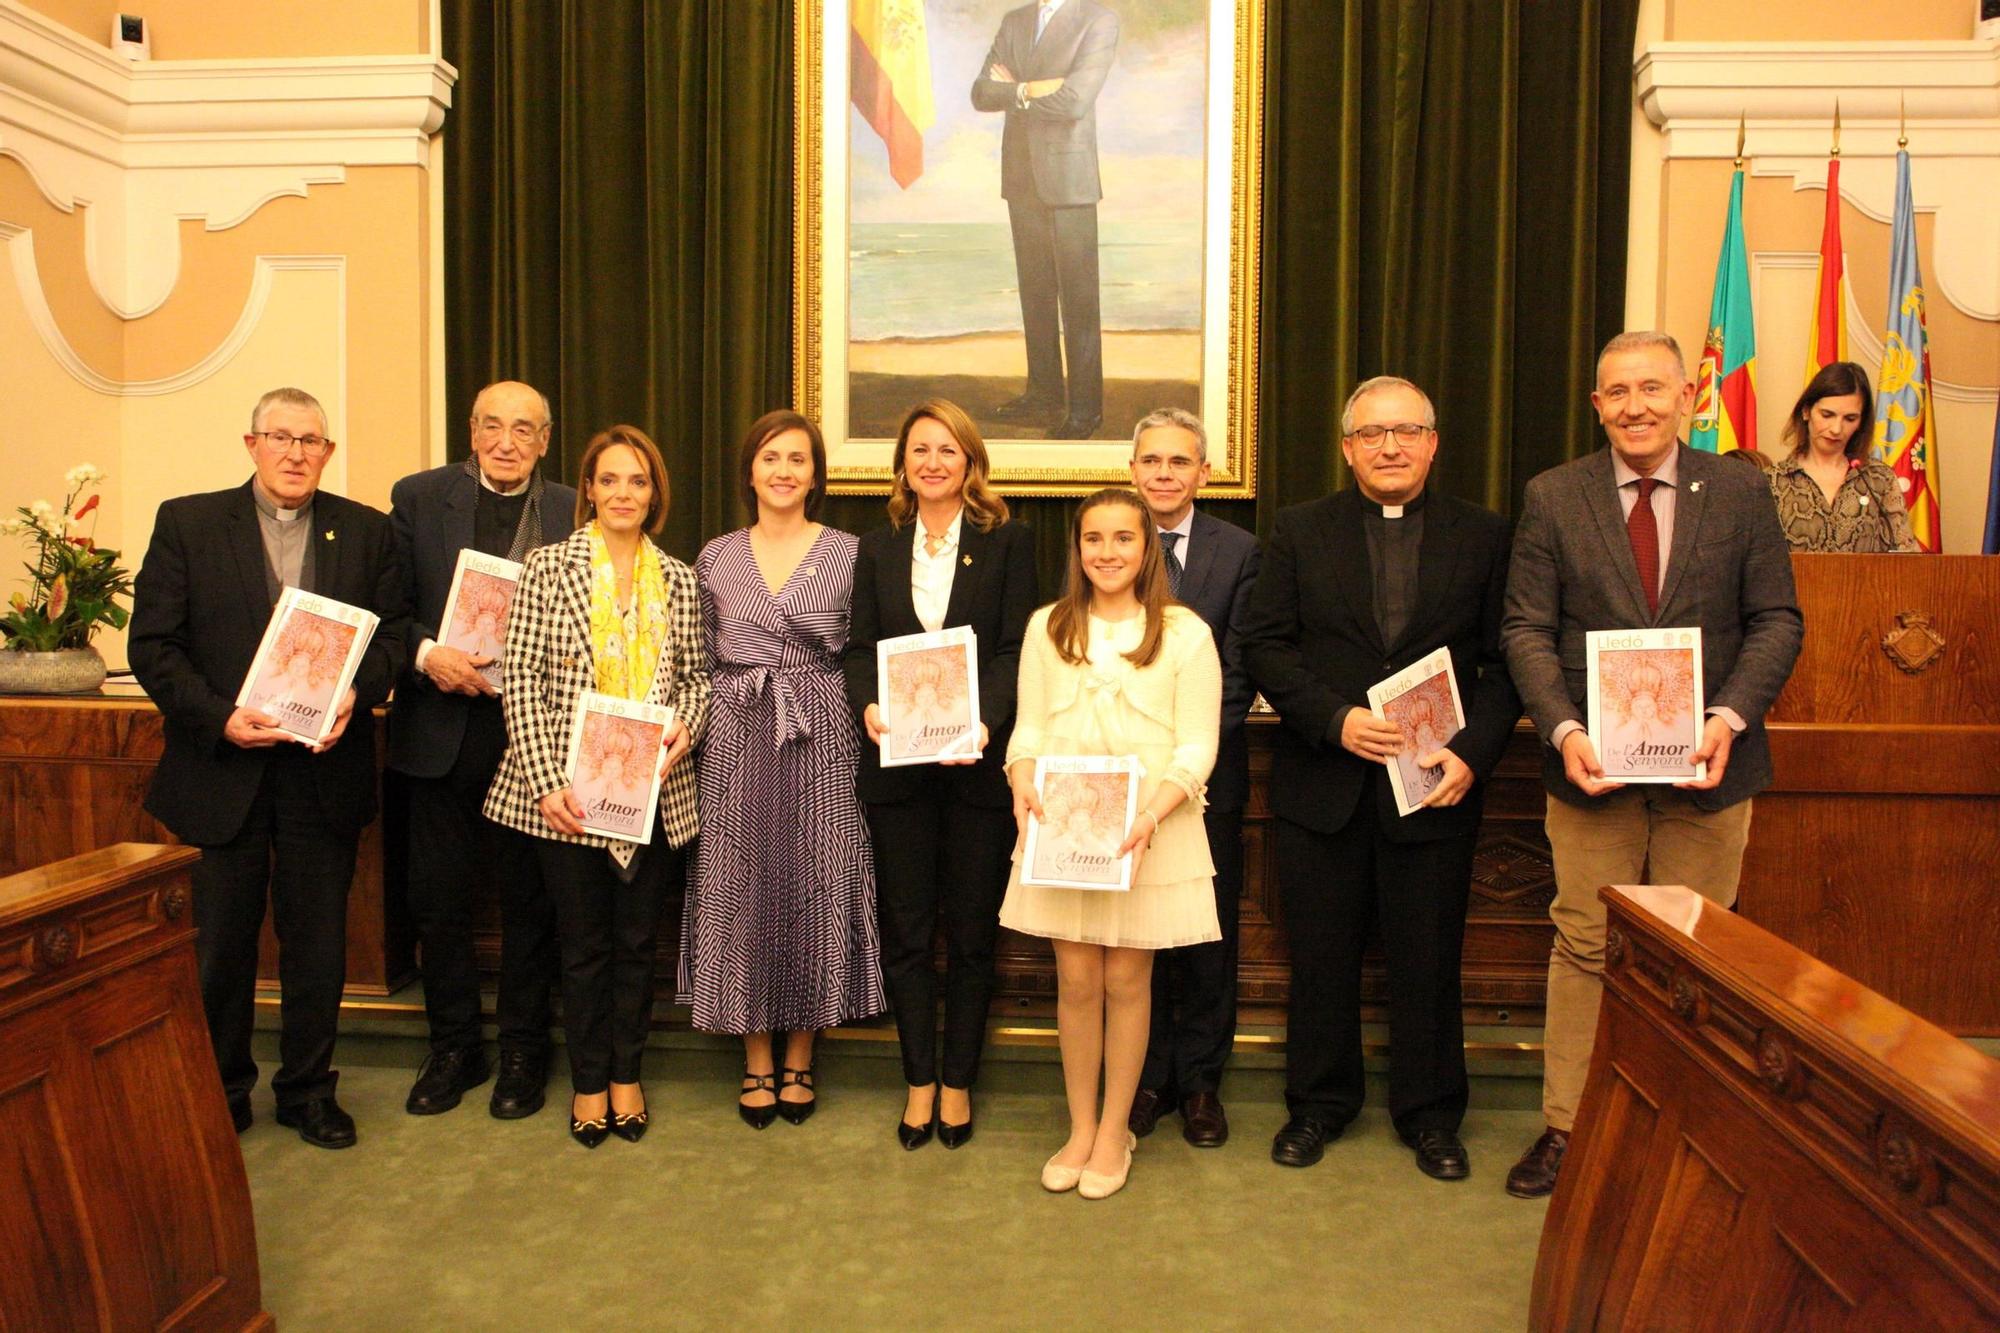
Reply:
x=145, y=145
x=1944, y=95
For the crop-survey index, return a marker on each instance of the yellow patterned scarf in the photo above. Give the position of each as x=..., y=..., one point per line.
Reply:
x=626, y=647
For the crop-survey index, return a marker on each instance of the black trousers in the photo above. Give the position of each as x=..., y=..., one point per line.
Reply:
x=286, y=854
x=1055, y=265
x=1333, y=885
x=453, y=847
x=609, y=931
x=1194, y=987
x=940, y=858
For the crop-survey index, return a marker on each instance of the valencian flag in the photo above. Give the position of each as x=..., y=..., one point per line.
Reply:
x=1905, y=435
x=889, y=63
x=1725, y=392
x=1827, y=340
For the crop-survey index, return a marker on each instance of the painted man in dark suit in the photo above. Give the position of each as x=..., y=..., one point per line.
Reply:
x=1048, y=62
x=1714, y=557
x=1210, y=567
x=446, y=735
x=1355, y=588
x=270, y=815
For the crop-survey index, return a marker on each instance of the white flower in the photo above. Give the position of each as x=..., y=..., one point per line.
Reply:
x=82, y=474
x=12, y=527
x=41, y=509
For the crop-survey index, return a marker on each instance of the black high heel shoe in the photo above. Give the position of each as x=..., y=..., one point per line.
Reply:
x=913, y=1137
x=631, y=1126
x=954, y=1136
x=758, y=1117
x=589, y=1133
x=798, y=1112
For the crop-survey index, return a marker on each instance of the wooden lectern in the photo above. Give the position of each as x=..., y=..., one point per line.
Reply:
x=1767, y=1144
x=122, y=1194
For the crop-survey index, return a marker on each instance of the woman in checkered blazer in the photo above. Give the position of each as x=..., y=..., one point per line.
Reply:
x=605, y=611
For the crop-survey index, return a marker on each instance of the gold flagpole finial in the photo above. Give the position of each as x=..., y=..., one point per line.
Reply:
x=1836, y=125
x=1742, y=125
x=1902, y=123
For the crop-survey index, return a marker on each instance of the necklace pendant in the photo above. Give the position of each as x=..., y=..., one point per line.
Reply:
x=966, y=560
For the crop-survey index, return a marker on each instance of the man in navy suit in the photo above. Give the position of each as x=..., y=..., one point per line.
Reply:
x=1356, y=587
x=1210, y=567
x=1048, y=63
x=276, y=820
x=446, y=737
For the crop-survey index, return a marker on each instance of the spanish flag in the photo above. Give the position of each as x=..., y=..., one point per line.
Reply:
x=1725, y=393
x=1827, y=340
x=1905, y=433
x=889, y=71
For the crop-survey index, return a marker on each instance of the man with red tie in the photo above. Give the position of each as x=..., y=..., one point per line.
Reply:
x=1648, y=533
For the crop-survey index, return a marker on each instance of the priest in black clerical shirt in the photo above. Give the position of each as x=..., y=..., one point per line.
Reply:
x=446, y=736
x=1354, y=588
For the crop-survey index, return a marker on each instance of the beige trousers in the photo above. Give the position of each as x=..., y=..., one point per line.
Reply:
x=1652, y=831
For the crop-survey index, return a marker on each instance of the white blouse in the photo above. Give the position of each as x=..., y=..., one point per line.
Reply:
x=930, y=575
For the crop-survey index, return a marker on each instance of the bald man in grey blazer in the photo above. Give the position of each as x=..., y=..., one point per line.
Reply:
x=1647, y=533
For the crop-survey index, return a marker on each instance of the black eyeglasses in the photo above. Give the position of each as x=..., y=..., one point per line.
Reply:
x=1373, y=437
x=281, y=442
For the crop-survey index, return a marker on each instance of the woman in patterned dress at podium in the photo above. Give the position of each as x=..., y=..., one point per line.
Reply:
x=778, y=934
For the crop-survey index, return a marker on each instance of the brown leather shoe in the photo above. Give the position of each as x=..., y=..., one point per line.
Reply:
x=1147, y=1108
x=1535, y=1174
x=1202, y=1122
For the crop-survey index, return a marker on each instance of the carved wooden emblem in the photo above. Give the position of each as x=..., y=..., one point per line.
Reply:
x=1615, y=947
x=1904, y=1163
x=1777, y=1067
x=174, y=902
x=1913, y=644
x=54, y=948
x=1689, y=1002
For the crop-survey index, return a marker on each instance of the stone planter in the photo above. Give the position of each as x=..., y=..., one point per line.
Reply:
x=65, y=671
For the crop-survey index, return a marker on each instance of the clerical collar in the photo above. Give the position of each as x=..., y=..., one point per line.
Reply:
x=271, y=509
x=1411, y=506
x=518, y=490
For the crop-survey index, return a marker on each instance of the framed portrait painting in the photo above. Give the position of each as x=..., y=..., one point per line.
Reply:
x=1047, y=213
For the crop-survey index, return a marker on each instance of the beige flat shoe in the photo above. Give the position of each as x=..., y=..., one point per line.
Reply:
x=1091, y=1185
x=1057, y=1178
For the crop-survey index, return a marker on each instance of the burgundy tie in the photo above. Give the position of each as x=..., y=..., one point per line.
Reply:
x=1644, y=532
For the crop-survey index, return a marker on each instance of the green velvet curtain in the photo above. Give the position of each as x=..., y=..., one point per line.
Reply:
x=1445, y=199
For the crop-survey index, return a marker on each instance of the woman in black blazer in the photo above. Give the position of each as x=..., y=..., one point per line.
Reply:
x=943, y=834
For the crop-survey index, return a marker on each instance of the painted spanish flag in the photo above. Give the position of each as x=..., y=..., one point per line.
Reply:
x=889, y=72
x=1827, y=340
x=1905, y=433
x=1725, y=394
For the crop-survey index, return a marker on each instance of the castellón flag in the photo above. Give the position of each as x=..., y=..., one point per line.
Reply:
x=1905, y=434
x=889, y=71
x=1725, y=392
x=1826, y=342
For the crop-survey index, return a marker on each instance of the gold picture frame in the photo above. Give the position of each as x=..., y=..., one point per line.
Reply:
x=856, y=408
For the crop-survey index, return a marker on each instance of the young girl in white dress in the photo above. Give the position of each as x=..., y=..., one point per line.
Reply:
x=1116, y=667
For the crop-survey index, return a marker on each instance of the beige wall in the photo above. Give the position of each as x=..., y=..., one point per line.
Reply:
x=1816, y=20
x=228, y=29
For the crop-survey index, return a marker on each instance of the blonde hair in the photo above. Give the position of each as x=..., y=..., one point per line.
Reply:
x=982, y=502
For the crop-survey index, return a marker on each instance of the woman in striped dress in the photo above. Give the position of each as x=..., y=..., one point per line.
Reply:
x=779, y=934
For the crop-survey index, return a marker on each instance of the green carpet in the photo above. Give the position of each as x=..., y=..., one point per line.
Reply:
x=461, y=1221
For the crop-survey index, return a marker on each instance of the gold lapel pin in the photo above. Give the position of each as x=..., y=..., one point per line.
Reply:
x=329, y=534
x=966, y=560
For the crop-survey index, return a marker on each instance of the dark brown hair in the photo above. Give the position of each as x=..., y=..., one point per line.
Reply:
x=987, y=509
x=649, y=454
x=1835, y=379
x=761, y=432
x=1069, y=618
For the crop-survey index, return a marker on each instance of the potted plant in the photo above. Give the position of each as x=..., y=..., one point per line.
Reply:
x=74, y=586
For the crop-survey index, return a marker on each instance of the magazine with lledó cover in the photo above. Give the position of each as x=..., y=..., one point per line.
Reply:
x=930, y=696
x=311, y=649
x=1423, y=701
x=1644, y=703
x=615, y=748
x=1088, y=805
x=475, y=610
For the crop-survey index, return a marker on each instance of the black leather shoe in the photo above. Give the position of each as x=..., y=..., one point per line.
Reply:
x=239, y=1115
x=1202, y=1122
x=320, y=1122
x=1302, y=1141
x=1535, y=1174
x=797, y=1112
x=913, y=1137
x=954, y=1136
x=1077, y=428
x=630, y=1128
x=1440, y=1154
x=1029, y=407
x=589, y=1133
x=522, y=1086
x=445, y=1078
x=1147, y=1108
x=757, y=1117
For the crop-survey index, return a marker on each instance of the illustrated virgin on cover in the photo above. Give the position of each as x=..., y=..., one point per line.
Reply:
x=1083, y=823
x=929, y=709
x=1427, y=719
x=303, y=670
x=1647, y=698
x=615, y=761
x=479, y=617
